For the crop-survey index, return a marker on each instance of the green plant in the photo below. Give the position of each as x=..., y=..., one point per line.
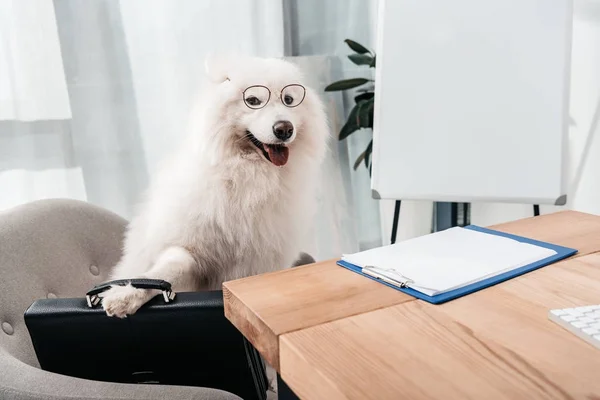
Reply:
x=361, y=115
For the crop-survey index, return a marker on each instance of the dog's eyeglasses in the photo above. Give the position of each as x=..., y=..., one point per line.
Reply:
x=258, y=96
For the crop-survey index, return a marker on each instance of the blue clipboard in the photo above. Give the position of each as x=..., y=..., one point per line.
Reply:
x=561, y=253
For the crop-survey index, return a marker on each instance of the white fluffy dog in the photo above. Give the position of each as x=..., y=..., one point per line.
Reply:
x=236, y=198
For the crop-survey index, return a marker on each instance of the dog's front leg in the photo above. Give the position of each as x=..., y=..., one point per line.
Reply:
x=174, y=265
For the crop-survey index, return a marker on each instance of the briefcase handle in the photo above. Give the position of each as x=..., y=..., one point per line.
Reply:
x=158, y=284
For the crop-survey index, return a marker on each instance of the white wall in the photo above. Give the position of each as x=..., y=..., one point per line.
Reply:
x=584, y=194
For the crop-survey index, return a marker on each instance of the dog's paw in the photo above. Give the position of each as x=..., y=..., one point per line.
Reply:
x=121, y=301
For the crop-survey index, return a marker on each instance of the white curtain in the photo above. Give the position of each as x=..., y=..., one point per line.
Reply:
x=32, y=79
x=128, y=71
x=35, y=160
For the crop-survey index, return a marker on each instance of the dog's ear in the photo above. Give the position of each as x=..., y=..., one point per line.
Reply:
x=216, y=67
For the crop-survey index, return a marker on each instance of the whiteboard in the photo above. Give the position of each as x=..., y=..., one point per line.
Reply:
x=471, y=100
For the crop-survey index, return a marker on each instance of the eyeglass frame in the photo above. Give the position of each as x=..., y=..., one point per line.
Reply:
x=269, y=98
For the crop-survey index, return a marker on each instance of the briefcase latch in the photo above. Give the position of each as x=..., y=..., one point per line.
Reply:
x=93, y=300
x=168, y=295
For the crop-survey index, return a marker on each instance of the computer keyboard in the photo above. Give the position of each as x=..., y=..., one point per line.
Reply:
x=583, y=321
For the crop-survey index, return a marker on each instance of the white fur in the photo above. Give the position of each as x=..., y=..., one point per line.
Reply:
x=218, y=210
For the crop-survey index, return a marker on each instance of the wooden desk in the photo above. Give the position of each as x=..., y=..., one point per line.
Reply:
x=496, y=343
x=298, y=309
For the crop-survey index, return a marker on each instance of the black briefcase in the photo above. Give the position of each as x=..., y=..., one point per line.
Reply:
x=172, y=340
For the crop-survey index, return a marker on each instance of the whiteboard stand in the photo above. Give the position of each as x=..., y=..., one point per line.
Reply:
x=454, y=216
x=396, y=220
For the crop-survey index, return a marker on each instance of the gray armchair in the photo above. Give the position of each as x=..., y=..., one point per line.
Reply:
x=60, y=248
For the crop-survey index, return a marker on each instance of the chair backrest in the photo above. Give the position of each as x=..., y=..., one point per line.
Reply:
x=51, y=248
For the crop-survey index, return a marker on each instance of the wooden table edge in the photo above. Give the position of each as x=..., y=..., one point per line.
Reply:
x=251, y=326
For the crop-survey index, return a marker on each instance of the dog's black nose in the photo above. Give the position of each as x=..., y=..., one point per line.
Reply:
x=283, y=130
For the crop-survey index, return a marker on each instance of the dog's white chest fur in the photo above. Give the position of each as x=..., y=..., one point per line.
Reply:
x=234, y=221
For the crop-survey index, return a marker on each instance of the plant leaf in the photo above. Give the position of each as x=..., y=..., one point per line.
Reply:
x=364, y=96
x=357, y=47
x=347, y=130
x=364, y=118
x=346, y=84
x=357, y=115
x=359, y=159
x=361, y=59
x=350, y=126
x=368, y=152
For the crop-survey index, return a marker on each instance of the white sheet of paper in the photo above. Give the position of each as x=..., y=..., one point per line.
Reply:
x=453, y=258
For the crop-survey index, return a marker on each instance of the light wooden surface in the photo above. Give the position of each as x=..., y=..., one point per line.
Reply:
x=566, y=228
x=492, y=344
x=267, y=306
x=311, y=323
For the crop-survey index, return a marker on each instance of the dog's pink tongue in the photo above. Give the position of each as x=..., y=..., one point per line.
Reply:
x=277, y=154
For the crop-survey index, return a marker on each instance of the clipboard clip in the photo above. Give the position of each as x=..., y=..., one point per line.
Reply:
x=379, y=273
